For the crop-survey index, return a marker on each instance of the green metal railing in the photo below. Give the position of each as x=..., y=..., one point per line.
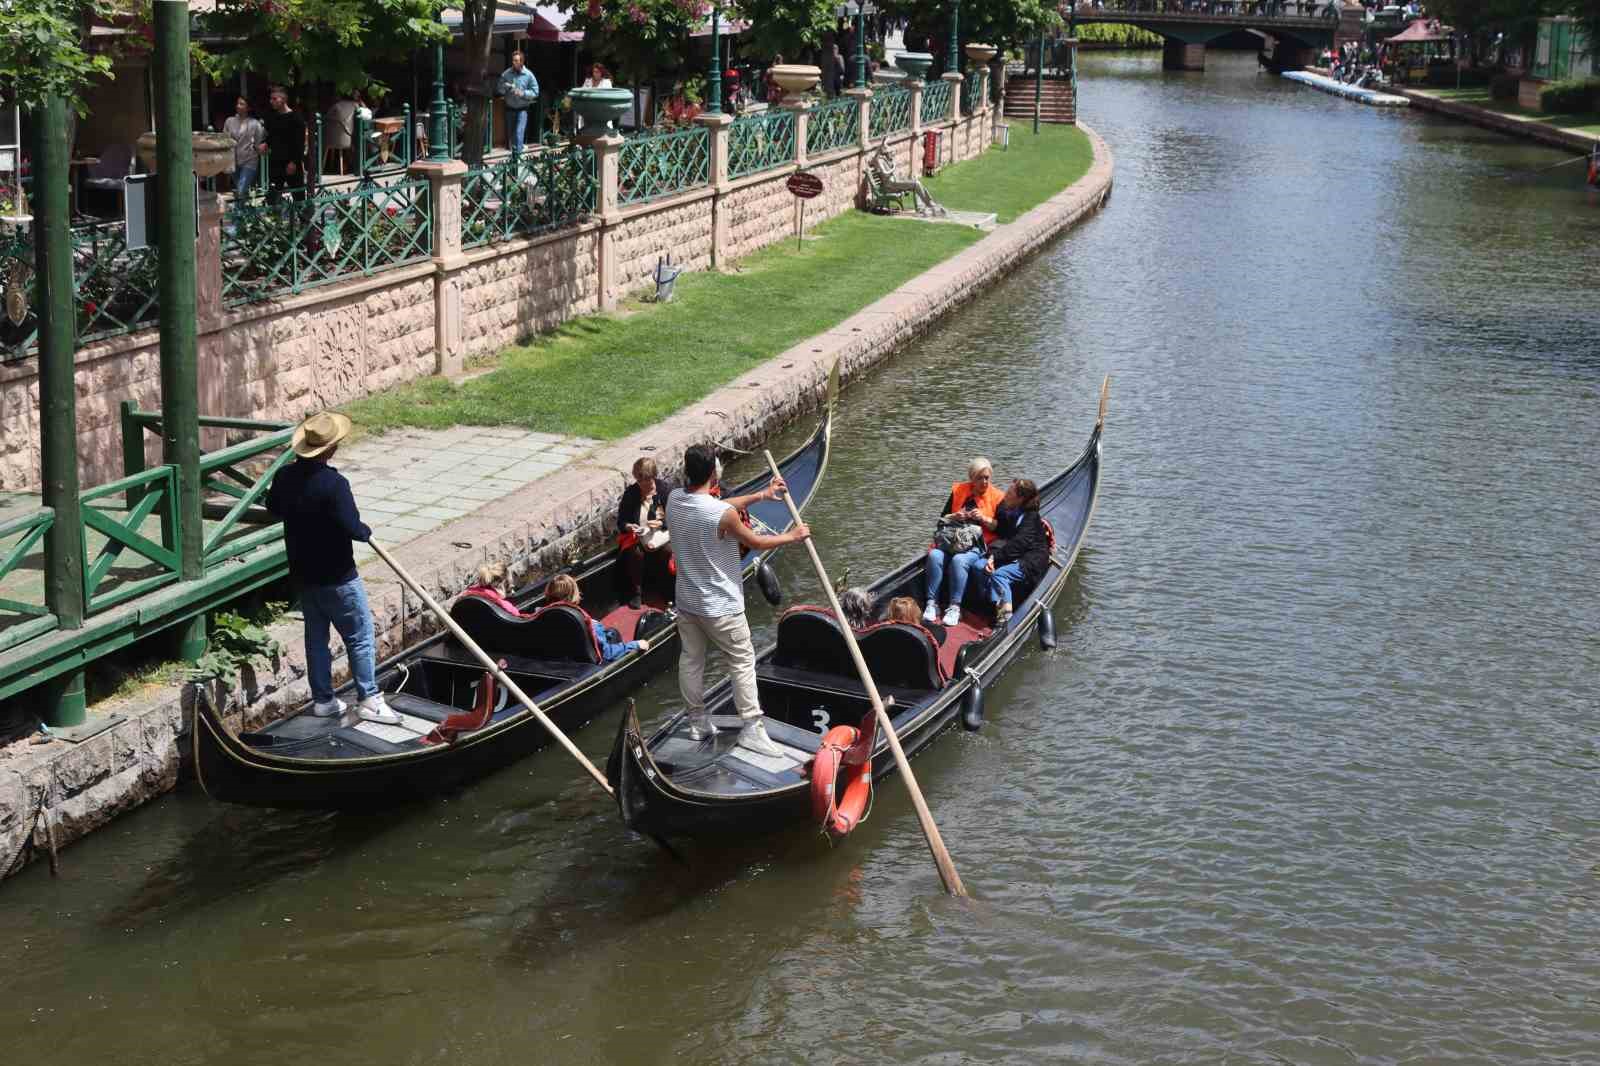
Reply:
x=114, y=290
x=378, y=153
x=834, y=125
x=534, y=194
x=21, y=535
x=972, y=94
x=760, y=142
x=891, y=111
x=155, y=492
x=457, y=124
x=292, y=245
x=935, y=102
x=659, y=164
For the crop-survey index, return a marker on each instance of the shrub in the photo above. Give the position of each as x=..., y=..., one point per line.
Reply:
x=1504, y=86
x=1570, y=95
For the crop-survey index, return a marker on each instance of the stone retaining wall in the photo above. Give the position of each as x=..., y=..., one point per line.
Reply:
x=287, y=357
x=74, y=789
x=1493, y=120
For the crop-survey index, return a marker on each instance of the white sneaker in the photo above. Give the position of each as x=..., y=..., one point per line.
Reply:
x=701, y=727
x=1002, y=616
x=754, y=736
x=331, y=709
x=952, y=615
x=930, y=613
x=373, y=709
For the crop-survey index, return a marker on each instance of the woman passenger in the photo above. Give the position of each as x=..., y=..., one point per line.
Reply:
x=490, y=584
x=974, y=501
x=858, y=607
x=1019, y=557
x=904, y=609
x=642, y=527
x=564, y=589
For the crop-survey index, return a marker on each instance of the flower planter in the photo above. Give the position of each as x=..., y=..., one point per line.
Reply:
x=888, y=76
x=601, y=107
x=981, y=53
x=795, y=79
x=915, y=64
x=213, y=153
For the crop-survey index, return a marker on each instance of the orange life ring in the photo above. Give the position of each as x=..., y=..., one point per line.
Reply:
x=841, y=747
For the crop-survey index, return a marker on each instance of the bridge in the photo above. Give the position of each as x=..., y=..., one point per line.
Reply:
x=1299, y=27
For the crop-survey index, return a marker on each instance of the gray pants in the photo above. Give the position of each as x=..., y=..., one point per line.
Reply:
x=731, y=635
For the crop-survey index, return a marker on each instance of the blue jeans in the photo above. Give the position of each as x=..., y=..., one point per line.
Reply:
x=518, y=120
x=244, y=176
x=345, y=608
x=960, y=568
x=1003, y=581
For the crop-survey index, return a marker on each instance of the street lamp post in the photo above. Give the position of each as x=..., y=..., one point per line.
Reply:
x=859, y=10
x=714, y=79
x=954, y=63
x=438, y=119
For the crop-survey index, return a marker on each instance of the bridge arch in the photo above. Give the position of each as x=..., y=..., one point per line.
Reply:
x=1186, y=27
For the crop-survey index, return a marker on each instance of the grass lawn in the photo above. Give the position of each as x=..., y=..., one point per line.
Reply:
x=1581, y=122
x=608, y=375
x=1013, y=181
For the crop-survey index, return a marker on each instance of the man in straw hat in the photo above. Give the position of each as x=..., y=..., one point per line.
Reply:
x=320, y=522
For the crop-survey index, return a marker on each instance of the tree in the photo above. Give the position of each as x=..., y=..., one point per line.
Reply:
x=337, y=41
x=638, y=38
x=792, y=28
x=1005, y=24
x=477, y=31
x=45, y=46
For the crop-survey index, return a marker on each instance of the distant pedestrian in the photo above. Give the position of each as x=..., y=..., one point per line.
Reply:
x=520, y=89
x=707, y=533
x=838, y=70
x=284, y=145
x=247, y=133
x=320, y=524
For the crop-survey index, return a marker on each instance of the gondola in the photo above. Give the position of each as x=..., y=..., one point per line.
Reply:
x=671, y=785
x=457, y=723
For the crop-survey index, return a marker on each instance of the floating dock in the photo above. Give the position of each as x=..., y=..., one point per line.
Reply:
x=1350, y=92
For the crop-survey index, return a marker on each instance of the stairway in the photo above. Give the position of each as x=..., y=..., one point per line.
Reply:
x=1056, y=102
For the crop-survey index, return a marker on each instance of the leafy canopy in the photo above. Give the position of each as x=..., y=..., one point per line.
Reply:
x=44, y=50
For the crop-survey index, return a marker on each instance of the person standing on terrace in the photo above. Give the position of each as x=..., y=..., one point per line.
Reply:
x=247, y=133
x=520, y=89
x=284, y=145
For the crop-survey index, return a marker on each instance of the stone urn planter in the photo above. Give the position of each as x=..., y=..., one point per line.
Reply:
x=915, y=64
x=601, y=109
x=213, y=153
x=795, y=79
x=888, y=76
x=981, y=53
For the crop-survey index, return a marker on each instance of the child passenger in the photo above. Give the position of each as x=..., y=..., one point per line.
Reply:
x=564, y=589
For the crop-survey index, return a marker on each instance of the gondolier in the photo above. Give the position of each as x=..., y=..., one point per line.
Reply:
x=707, y=533
x=320, y=523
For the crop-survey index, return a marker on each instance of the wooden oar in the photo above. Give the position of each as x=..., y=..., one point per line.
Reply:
x=491, y=666
x=941, y=855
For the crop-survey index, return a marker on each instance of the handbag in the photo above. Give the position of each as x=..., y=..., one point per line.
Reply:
x=655, y=539
x=955, y=536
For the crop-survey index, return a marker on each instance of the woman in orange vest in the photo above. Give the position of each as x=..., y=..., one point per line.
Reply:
x=972, y=502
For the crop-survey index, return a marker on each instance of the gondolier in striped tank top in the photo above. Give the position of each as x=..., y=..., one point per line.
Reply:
x=707, y=533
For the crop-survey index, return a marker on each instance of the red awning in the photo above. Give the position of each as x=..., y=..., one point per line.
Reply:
x=1422, y=30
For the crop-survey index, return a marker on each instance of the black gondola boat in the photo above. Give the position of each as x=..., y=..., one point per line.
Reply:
x=457, y=725
x=672, y=785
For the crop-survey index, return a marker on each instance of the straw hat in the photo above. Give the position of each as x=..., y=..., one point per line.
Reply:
x=320, y=434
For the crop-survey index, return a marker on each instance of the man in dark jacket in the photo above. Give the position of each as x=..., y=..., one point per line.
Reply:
x=320, y=523
x=285, y=146
x=1019, y=557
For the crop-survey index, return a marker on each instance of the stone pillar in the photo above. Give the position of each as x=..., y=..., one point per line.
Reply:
x=863, y=98
x=1352, y=26
x=955, y=81
x=717, y=125
x=802, y=123
x=916, y=106
x=607, y=149
x=210, y=350
x=1177, y=55
x=445, y=181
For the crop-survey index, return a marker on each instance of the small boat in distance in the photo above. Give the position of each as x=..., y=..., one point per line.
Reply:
x=457, y=723
x=672, y=785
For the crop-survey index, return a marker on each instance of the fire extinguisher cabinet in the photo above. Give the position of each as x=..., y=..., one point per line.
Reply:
x=930, y=150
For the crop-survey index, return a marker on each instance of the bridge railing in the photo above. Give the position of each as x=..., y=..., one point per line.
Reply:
x=1262, y=9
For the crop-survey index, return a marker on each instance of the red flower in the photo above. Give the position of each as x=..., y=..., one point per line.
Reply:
x=391, y=210
x=90, y=307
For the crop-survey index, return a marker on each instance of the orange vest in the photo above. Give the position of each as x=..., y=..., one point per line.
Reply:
x=961, y=499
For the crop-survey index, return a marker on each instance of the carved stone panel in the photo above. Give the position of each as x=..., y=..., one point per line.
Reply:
x=339, y=352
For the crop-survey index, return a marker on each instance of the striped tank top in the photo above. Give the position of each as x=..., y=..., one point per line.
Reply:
x=710, y=571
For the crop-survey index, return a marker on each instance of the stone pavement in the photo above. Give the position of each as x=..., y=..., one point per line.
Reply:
x=408, y=482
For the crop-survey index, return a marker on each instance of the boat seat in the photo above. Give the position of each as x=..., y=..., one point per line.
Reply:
x=833, y=684
x=557, y=671
x=558, y=631
x=899, y=655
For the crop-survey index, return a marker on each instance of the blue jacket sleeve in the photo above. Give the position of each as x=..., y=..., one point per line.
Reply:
x=610, y=651
x=345, y=513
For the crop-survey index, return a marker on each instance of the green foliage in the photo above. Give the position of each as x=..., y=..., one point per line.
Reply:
x=44, y=49
x=637, y=38
x=791, y=28
x=1504, y=86
x=1118, y=35
x=338, y=41
x=1003, y=23
x=237, y=641
x=1570, y=96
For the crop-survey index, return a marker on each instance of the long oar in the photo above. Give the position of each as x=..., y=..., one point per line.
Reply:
x=1552, y=166
x=492, y=666
x=941, y=855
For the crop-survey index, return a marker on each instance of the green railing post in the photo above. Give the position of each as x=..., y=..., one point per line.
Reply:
x=63, y=544
x=408, y=138
x=358, y=145
x=315, y=186
x=180, y=390
x=132, y=450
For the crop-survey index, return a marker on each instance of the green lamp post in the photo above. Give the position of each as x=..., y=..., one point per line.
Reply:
x=438, y=119
x=859, y=10
x=953, y=63
x=714, y=79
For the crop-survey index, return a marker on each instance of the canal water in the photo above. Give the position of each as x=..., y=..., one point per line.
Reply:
x=1311, y=777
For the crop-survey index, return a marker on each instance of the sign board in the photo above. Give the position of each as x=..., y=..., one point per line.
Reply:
x=142, y=207
x=804, y=184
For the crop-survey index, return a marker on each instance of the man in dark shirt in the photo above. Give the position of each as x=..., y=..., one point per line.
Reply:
x=285, y=145
x=320, y=522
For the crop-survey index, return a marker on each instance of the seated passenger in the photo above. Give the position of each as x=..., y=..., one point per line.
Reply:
x=904, y=609
x=642, y=528
x=563, y=589
x=491, y=585
x=1022, y=551
x=971, y=504
x=858, y=607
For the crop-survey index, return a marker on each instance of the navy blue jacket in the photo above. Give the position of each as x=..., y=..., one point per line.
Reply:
x=320, y=522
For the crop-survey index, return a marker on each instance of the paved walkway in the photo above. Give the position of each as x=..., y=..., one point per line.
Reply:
x=411, y=481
